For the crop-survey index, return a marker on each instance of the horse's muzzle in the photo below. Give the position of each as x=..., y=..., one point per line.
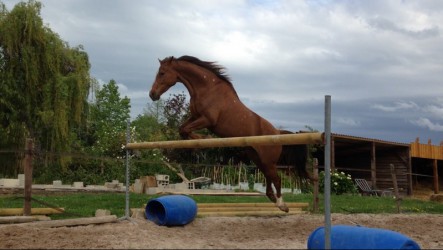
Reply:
x=153, y=96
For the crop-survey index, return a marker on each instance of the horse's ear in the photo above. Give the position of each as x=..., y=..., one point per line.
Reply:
x=160, y=61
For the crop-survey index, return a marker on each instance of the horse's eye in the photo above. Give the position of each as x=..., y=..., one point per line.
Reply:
x=161, y=73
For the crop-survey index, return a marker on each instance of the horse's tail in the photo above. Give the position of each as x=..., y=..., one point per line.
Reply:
x=297, y=156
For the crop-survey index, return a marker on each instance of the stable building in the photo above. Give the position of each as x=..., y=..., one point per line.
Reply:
x=371, y=159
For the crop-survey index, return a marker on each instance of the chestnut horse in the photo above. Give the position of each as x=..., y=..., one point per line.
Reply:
x=216, y=106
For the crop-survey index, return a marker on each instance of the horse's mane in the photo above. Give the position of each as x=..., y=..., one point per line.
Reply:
x=218, y=70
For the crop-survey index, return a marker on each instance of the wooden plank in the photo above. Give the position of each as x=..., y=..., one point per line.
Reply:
x=268, y=204
x=196, y=192
x=22, y=219
x=286, y=139
x=74, y=222
x=252, y=213
x=239, y=209
x=16, y=219
x=34, y=211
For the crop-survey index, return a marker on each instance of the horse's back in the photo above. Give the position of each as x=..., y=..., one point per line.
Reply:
x=238, y=120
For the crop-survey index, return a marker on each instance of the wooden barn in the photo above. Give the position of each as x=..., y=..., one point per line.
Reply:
x=370, y=159
x=427, y=160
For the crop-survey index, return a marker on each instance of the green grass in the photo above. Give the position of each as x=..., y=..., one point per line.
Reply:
x=85, y=205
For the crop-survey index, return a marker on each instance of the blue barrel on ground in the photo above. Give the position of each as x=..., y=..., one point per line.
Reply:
x=171, y=210
x=358, y=237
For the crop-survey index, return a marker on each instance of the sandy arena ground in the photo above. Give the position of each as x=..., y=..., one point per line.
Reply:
x=290, y=232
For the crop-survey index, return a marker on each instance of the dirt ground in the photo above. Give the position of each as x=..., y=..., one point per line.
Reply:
x=290, y=232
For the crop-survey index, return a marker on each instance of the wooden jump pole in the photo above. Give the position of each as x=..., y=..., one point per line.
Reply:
x=286, y=139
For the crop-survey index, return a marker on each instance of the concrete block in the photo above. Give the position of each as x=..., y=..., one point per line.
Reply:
x=21, y=180
x=57, y=183
x=9, y=182
x=182, y=185
x=138, y=188
x=153, y=190
x=115, y=181
x=102, y=212
x=111, y=185
x=162, y=177
x=78, y=184
x=149, y=181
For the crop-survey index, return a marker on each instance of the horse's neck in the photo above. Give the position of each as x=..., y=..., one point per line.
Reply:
x=197, y=80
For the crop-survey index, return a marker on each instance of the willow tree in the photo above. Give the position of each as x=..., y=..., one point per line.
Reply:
x=44, y=83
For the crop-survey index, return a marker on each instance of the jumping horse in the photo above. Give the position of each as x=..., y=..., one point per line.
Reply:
x=216, y=106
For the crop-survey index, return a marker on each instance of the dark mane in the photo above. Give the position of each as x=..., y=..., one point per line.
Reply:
x=218, y=70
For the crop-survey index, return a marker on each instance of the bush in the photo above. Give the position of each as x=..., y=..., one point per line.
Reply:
x=341, y=183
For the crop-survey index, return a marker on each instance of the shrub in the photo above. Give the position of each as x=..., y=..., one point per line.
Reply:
x=341, y=183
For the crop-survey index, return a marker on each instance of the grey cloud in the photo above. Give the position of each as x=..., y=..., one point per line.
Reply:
x=401, y=105
x=283, y=56
x=426, y=123
x=385, y=24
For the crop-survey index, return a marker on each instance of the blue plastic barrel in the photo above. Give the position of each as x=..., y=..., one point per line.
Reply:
x=171, y=210
x=357, y=237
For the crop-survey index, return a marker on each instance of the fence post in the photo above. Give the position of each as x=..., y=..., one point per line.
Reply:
x=316, y=187
x=394, y=183
x=28, y=176
x=127, y=176
x=435, y=174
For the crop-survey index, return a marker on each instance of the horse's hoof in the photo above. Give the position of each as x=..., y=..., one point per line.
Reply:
x=284, y=208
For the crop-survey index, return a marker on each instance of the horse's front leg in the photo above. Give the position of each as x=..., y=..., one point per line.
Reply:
x=273, y=178
x=280, y=203
x=270, y=173
x=192, y=124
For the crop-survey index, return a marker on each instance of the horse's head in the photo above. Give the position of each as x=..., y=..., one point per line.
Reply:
x=166, y=78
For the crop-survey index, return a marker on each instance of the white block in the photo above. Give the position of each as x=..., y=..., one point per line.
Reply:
x=21, y=180
x=9, y=182
x=78, y=184
x=138, y=188
x=57, y=183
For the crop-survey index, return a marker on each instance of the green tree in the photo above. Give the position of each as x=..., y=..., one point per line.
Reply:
x=44, y=83
x=109, y=115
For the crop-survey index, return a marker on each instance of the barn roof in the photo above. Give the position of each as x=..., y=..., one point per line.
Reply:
x=350, y=138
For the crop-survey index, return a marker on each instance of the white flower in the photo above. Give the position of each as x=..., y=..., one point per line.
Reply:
x=335, y=183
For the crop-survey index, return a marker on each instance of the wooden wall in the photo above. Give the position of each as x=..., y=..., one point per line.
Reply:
x=426, y=151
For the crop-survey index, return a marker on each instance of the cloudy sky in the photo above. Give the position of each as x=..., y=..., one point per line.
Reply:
x=380, y=60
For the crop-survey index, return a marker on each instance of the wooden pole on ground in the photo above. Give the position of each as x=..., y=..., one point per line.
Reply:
x=74, y=222
x=33, y=211
x=28, y=176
